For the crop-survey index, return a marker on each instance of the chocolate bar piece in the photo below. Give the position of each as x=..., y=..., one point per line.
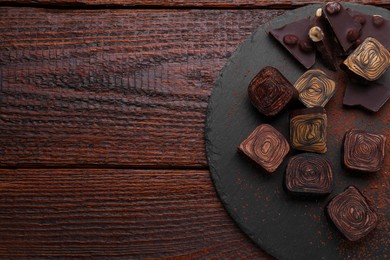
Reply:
x=370, y=60
x=294, y=37
x=346, y=29
x=351, y=213
x=308, y=129
x=315, y=88
x=269, y=91
x=374, y=26
x=370, y=96
x=364, y=151
x=266, y=147
x=309, y=174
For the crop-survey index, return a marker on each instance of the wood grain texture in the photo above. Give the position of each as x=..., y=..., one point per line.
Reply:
x=116, y=213
x=118, y=88
x=184, y=3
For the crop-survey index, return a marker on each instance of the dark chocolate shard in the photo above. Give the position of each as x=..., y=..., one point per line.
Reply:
x=308, y=129
x=309, y=174
x=270, y=92
x=374, y=26
x=369, y=95
x=265, y=146
x=346, y=29
x=294, y=37
x=363, y=151
x=351, y=213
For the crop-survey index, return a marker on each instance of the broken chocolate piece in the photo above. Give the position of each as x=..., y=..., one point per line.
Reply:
x=269, y=91
x=315, y=88
x=364, y=151
x=351, y=213
x=374, y=26
x=342, y=24
x=294, y=37
x=266, y=147
x=370, y=96
x=308, y=129
x=369, y=61
x=309, y=174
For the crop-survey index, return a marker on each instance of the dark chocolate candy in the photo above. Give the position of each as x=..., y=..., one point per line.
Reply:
x=294, y=37
x=315, y=88
x=266, y=146
x=346, y=29
x=308, y=129
x=351, y=213
x=309, y=174
x=370, y=60
x=269, y=91
x=363, y=151
x=370, y=96
x=374, y=26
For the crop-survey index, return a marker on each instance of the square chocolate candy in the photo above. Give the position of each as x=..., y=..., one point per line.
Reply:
x=351, y=213
x=270, y=92
x=266, y=146
x=364, y=151
x=308, y=129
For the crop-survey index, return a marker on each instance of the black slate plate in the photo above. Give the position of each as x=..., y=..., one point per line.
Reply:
x=284, y=226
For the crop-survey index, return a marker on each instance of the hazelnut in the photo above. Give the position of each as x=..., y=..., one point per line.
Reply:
x=377, y=20
x=359, y=19
x=333, y=7
x=290, y=39
x=306, y=46
x=316, y=34
x=353, y=34
x=319, y=12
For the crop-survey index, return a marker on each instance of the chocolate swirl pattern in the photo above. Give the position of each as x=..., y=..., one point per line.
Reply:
x=370, y=60
x=308, y=130
x=269, y=91
x=364, y=151
x=265, y=146
x=315, y=88
x=309, y=174
x=351, y=214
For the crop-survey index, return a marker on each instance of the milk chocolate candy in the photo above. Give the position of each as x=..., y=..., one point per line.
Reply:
x=351, y=213
x=308, y=129
x=265, y=146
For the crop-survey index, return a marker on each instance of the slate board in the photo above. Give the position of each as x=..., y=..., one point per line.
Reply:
x=288, y=227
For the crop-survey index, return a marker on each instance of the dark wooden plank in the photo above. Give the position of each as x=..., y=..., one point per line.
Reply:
x=184, y=3
x=118, y=87
x=122, y=213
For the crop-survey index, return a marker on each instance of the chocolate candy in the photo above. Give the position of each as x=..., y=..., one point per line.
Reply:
x=309, y=174
x=269, y=91
x=351, y=213
x=308, y=129
x=315, y=88
x=294, y=37
x=364, y=151
x=370, y=96
x=346, y=29
x=266, y=147
x=369, y=61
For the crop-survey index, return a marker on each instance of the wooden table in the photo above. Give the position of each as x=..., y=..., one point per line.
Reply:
x=102, y=115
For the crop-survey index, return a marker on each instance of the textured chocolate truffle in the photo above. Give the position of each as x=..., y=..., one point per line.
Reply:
x=351, y=213
x=309, y=174
x=369, y=61
x=266, y=147
x=364, y=151
x=269, y=91
x=308, y=129
x=315, y=88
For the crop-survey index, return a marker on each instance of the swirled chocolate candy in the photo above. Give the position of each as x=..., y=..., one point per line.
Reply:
x=308, y=129
x=269, y=91
x=343, y=25
x=315, y=88
x=351, y=213
x=309, y=174
x=364, y=151
x=369, y=61
x=266, y=147
x=294, y=37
